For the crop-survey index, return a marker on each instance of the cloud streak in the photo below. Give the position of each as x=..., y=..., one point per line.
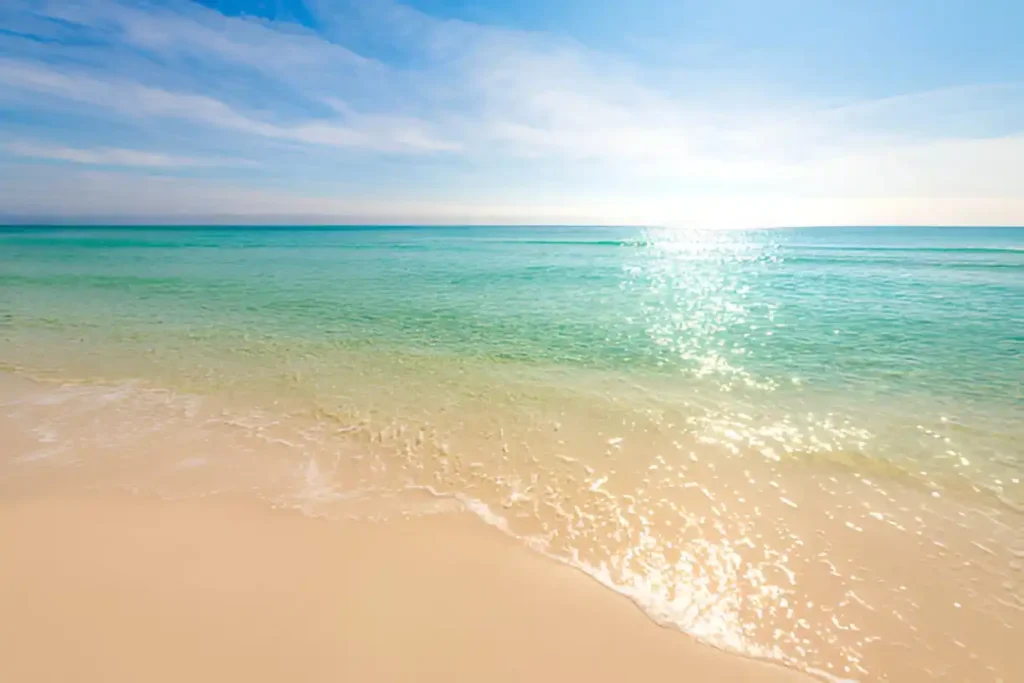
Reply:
x=386, y=134
x=108, y=156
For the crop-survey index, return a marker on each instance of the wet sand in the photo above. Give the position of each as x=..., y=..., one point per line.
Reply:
x=813, y=565
x=134, y=589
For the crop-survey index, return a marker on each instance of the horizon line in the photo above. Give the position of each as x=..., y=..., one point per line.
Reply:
x=218, y=222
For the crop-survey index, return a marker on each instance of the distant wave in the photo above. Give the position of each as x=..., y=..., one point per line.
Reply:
x=903, y=264
x=944, y=250
x=577, y=243
x=635, y=242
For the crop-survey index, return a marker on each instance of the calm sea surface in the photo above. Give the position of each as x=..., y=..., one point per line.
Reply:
x=801, y=445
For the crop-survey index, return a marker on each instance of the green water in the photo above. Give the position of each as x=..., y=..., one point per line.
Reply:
x=594, y=386
x=926, y=325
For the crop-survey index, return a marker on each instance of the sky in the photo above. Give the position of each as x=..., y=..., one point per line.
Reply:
x=737, y=113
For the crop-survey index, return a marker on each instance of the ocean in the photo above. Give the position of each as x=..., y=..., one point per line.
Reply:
x=799, y=445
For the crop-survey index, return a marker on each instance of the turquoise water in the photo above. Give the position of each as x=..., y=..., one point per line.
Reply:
x=878, y=309
x=927, y=320
x=600, y=359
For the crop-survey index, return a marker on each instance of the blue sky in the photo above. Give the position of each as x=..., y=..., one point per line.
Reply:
x=731, y=113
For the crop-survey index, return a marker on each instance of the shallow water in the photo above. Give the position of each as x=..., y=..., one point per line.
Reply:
x=801, y=445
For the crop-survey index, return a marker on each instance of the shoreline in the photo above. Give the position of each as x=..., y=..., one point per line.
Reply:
x=122, y=588
x=912, y=585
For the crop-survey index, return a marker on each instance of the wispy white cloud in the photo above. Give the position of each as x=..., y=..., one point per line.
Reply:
x=192, y=29
x=112, y=156
x=386, y=134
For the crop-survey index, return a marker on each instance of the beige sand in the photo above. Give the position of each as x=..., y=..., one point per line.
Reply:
x=131, y=589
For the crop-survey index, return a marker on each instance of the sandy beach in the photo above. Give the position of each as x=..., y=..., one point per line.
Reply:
x=132, y=589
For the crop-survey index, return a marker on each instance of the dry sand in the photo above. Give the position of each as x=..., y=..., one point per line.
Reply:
x=132, y=589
